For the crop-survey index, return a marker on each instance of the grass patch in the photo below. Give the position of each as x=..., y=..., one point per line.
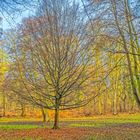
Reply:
x=95, y=125
x=103, y=121
x=82, y=125
x=96, y=122
x=12, y=127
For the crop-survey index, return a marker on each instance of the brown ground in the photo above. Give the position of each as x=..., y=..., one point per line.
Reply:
x=120, y=132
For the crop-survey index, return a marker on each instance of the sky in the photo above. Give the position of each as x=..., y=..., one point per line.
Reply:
x=9, y=22
x=14, y=17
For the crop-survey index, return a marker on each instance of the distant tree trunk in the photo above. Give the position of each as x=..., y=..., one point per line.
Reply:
x=105, y=103
x=120, y=107
x=100, y=106
x=132, y=111
x=4, y=105
x=124, y=105
x=43, y=114
x=94, y=106
x=125, y=47
x=22, y=110
x=115, y=104
x=133, y=41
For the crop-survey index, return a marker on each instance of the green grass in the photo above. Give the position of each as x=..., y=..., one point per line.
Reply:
x=103, y=121
x=108, y=133
x=87, y=124
x=97, y=121
x=20, y=127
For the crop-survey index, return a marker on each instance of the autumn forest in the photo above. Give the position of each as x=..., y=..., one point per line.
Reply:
x=70, y=65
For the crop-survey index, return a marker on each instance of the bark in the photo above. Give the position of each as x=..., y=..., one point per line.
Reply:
x=43, y=115
x=115, y=104
x=105, y=103
x=56, y=119
x=22, y=110
x=4, y=105
x=124, y=105
x=100, y=106
x=94, y=106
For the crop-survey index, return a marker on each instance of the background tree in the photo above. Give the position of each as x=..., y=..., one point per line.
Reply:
x=119, y=22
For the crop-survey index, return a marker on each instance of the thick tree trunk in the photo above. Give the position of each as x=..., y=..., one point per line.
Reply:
x=56, y=119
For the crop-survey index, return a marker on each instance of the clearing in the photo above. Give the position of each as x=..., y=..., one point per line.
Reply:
x=119, y=127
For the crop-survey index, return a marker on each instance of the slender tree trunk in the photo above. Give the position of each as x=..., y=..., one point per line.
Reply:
x=115, y=104
x=100, y=106
x=4, y=105
x=134, y=88
x=43, y=114
x=94, y=106
x=132, y=107
x=132, y=42
x=105, y=103
x=120, y=107
x=124, y=105
x=22, y=110
x=56, y=119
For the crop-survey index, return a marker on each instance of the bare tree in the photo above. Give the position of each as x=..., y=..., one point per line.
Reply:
x=53, y=59
x=119, y=23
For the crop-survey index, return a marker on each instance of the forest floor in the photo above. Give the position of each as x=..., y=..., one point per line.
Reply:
x=120, y=127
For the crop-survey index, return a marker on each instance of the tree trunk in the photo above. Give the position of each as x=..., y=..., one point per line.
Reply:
x=94, y=106
x=4, y=105
x=105, y=103
x=22, y=110
x=115, y=104
x=124, y=105
x=56, y=119
x=134, y=88
x=120, y=107
x=43, y=115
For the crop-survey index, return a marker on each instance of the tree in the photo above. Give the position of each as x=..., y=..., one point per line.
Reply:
x=3, y=71
x=53, y=59
x=119, y=23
